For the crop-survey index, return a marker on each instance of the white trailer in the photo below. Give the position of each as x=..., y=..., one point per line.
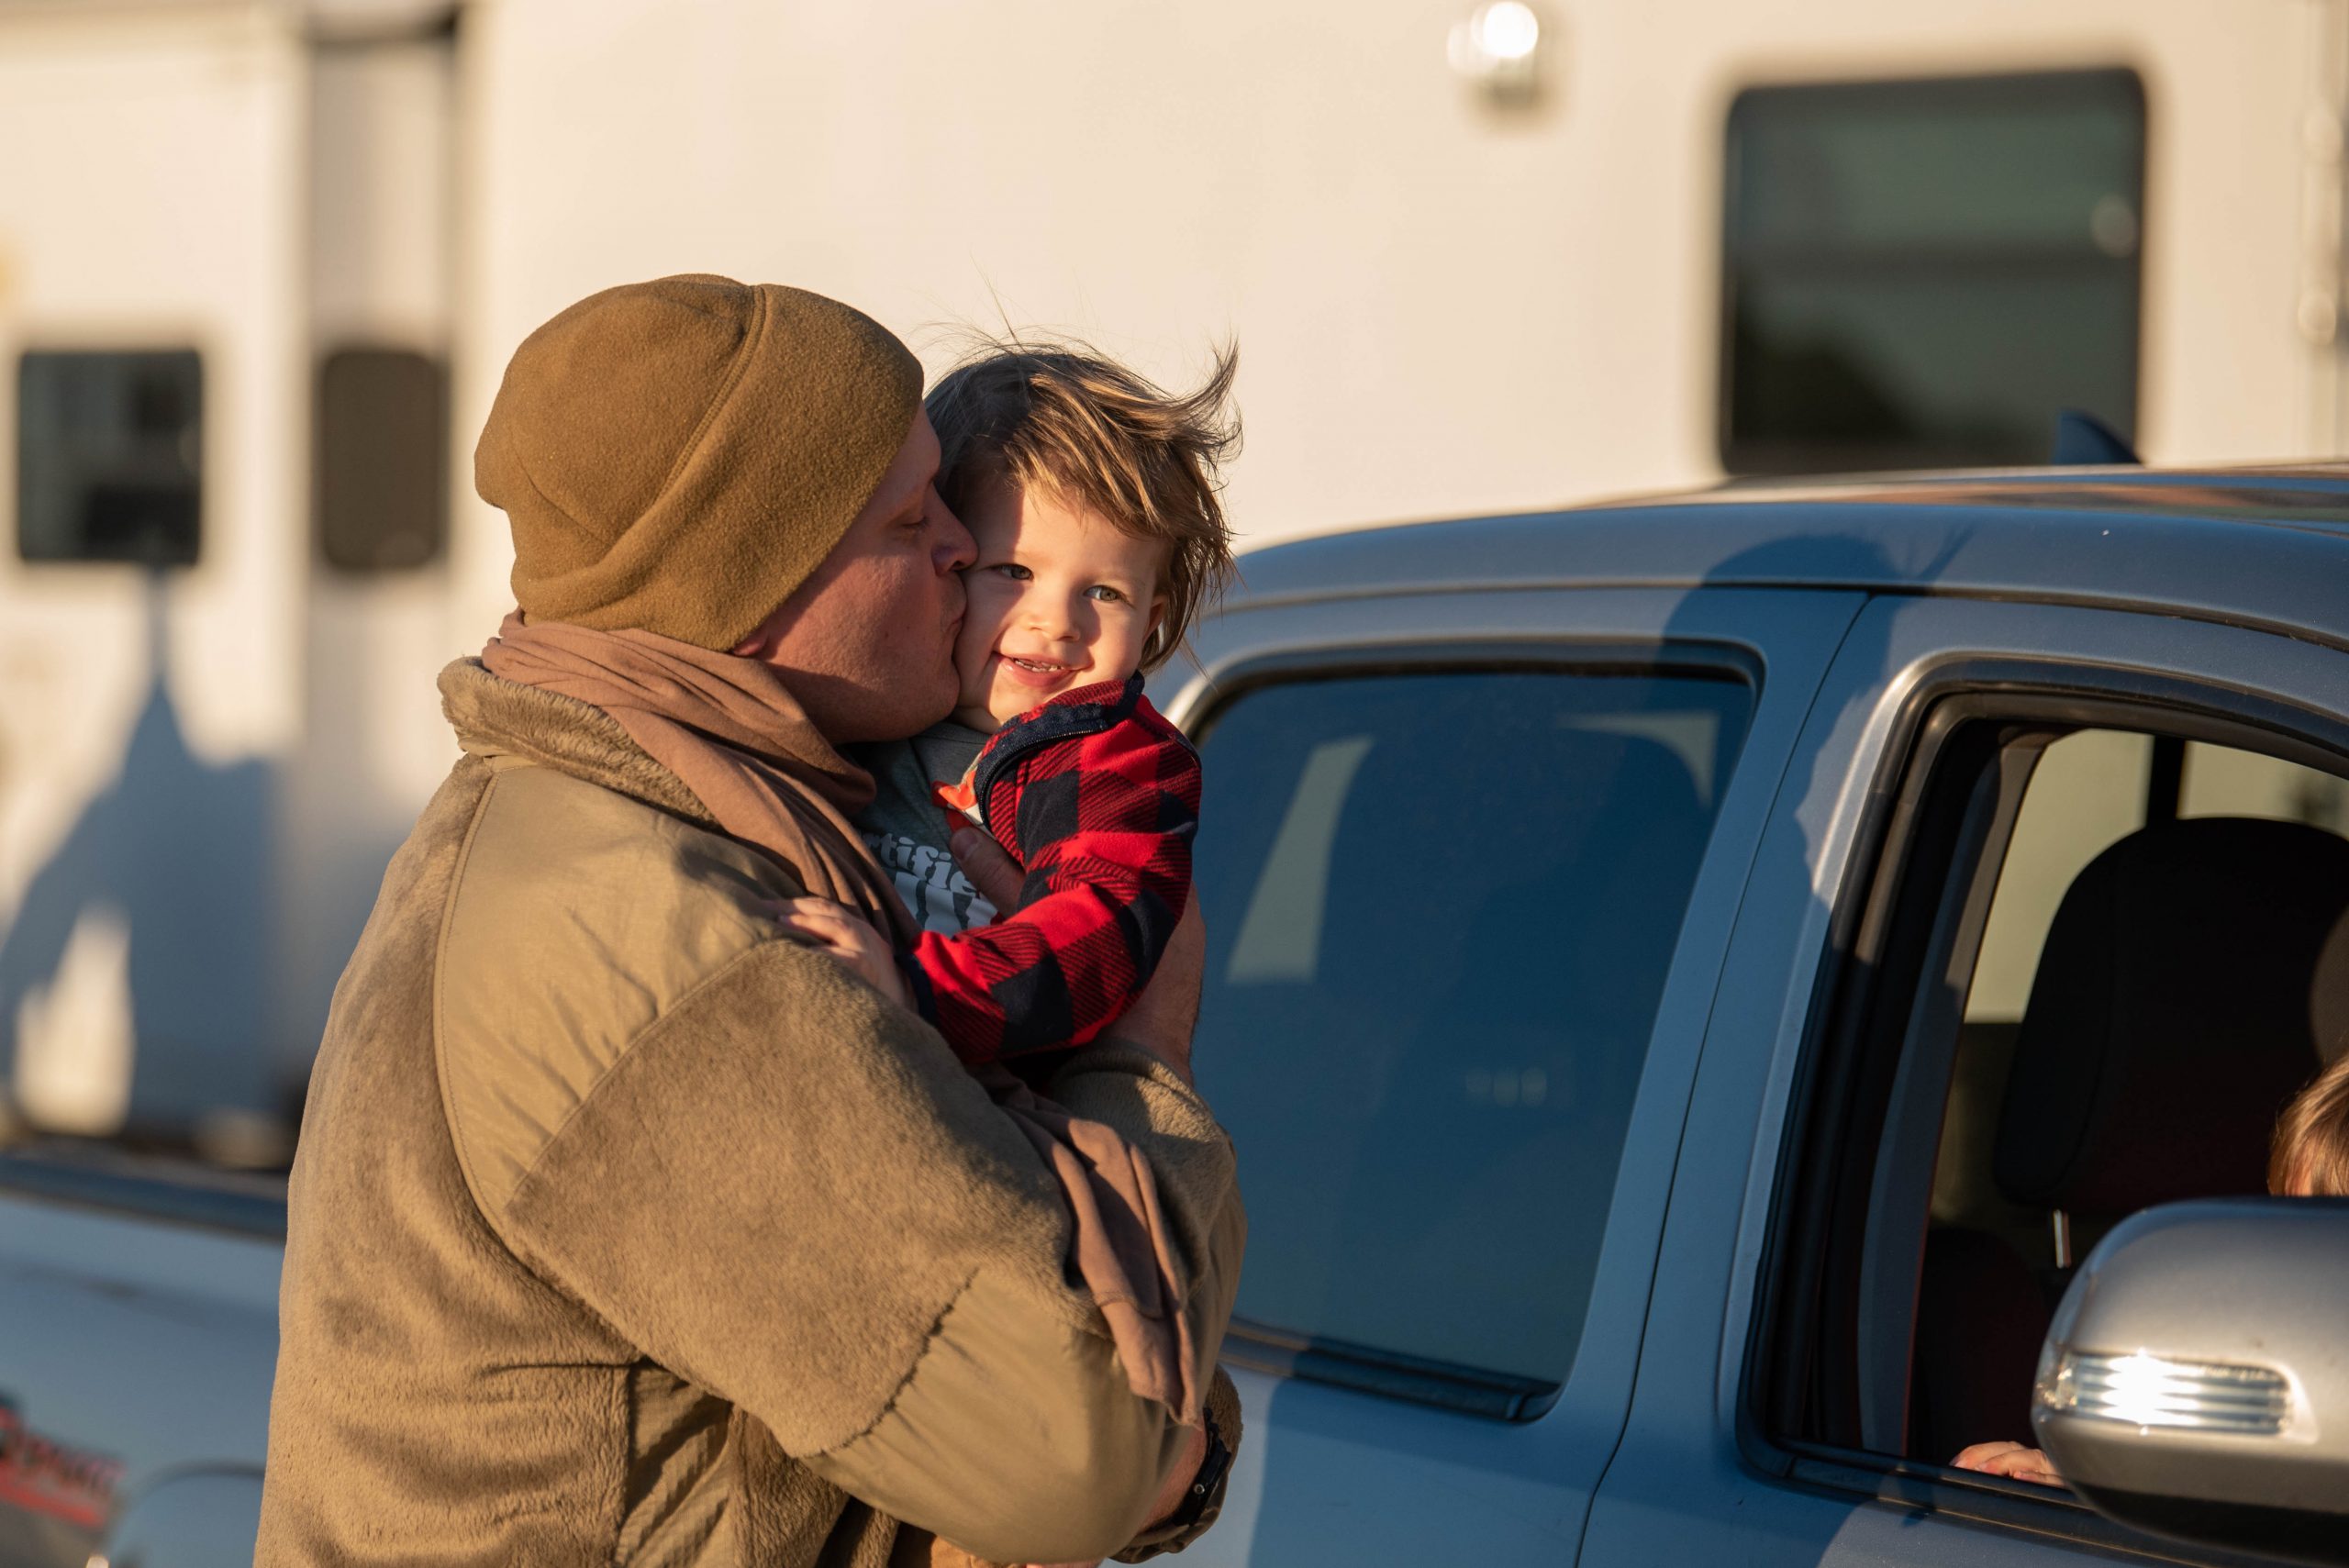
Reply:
x=262, y=262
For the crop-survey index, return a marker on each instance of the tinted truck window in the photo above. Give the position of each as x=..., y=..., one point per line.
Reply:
x=1441, y=908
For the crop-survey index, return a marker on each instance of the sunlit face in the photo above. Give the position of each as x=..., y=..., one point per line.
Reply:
x=869, y=639
x=1059, y=598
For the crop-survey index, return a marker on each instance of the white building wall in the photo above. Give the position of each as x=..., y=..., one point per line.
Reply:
x=1441, y=307
x=151, y=196
x=1440, y=310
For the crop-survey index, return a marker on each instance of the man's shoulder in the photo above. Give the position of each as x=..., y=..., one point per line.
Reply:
x=544, y=828
x=580, y=915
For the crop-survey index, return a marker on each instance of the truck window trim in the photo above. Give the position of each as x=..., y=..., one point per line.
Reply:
x=119, y=1187
x=1447, y=1385
x=2017, y=705
x=1916, y=1485
x=1561, y=655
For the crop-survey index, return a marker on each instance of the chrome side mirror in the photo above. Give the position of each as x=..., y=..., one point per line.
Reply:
x=2194, y=1382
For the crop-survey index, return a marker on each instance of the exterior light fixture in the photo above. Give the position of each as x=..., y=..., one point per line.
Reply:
x=1500, y=48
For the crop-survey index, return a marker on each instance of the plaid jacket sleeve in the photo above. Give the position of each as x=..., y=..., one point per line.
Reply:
x=1103, y=822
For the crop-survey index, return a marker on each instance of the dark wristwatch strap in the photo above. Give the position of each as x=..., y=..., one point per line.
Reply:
x=1206, y=1488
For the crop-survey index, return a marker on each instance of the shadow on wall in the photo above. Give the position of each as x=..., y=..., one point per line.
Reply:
x=133, y=975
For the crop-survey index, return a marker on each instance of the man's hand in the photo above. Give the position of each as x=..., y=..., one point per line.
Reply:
x=2010, y=1459
x=820, y=923
x=996, y=874
x=1162, y=1016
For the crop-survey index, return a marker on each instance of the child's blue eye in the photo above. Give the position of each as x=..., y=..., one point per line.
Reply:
x=1104, y=593
x=1014, y=571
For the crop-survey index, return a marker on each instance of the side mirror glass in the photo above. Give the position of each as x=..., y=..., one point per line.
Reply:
x=2194, y=1382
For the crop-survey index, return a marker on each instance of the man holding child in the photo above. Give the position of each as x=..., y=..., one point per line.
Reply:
x=629, y=1223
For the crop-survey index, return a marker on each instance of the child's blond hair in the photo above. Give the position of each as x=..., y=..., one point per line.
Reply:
x=1060, y=417
x=2310, y=1152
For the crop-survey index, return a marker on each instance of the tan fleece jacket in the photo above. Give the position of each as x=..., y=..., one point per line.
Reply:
x=622, y=1230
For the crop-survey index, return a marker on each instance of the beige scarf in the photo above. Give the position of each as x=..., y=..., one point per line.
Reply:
x=732, y=733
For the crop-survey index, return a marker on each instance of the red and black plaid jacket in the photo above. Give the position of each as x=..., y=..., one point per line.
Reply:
x=1097, y=797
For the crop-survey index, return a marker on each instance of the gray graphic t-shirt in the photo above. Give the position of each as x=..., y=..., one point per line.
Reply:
x=906, y=827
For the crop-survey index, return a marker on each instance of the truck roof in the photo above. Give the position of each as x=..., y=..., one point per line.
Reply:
x=2251, y=546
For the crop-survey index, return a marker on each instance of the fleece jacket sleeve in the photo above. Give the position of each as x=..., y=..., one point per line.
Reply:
x=790, y=1194
x=1103, y=822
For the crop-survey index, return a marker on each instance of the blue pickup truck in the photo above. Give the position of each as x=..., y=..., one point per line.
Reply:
x=1694, y=984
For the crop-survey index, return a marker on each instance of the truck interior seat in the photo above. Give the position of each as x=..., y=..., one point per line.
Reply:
x=2197, y=973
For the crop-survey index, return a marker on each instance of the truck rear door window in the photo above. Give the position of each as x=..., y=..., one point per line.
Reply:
x=1440, y=906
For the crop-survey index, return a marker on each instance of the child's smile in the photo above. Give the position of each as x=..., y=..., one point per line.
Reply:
x=1059, y=598
x=1037, y=672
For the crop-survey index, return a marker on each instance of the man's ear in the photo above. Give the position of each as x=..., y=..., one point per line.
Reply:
x=762, y=636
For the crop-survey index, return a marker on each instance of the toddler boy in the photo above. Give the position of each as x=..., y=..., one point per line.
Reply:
x=1092, y=498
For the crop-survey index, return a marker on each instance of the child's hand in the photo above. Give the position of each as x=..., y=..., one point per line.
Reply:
x=821, y=923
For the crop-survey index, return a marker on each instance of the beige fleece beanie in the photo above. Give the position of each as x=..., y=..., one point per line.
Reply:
x=677, y=456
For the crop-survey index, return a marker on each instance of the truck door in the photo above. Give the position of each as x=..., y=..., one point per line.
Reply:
x=1891, y=1162
x=1467, y=862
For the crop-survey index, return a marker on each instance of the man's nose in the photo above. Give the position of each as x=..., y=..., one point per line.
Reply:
x=956, y=548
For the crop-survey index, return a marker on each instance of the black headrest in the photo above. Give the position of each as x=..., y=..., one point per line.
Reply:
x=2196, y=975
